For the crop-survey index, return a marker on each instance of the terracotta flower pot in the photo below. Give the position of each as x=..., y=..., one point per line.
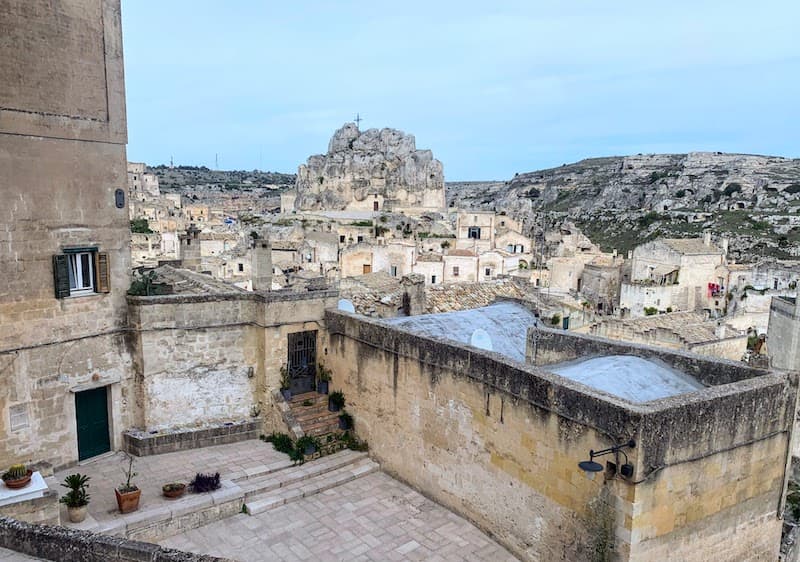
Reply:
x=19, y=482
x=128, y=501
x=76, y=514
x=173, y=491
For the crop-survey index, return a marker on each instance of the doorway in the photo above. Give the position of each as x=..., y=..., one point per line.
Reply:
x=302, y=362
x=91, y=412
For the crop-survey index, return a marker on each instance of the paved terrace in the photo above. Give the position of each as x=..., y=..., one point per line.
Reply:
x=339, y=507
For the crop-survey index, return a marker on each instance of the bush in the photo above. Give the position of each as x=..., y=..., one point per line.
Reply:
x=650, y=310
x=140, y=226
x=555, y=320
x=732, y=188
x=205, y=483
x=281, y=442
x=680, y=193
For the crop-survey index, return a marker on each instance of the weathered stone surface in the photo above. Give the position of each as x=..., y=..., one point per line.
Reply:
x=362, y=168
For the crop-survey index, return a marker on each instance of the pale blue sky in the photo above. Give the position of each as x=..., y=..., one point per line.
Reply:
x=491, y=89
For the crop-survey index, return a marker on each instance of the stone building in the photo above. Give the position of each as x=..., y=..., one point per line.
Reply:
x=64, y=231
x=675, y=274
x=499, y=440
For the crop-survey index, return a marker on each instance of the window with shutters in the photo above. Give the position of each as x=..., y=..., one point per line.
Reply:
x=79, y=272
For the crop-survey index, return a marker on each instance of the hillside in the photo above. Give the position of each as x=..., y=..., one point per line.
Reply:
x=620, y=202
x=179, y=177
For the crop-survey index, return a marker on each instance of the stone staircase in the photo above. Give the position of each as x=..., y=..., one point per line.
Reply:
x=314, y=419
x=274, y=488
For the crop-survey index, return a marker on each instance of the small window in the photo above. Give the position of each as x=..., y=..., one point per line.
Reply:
x=360, y=239
x=241, y=267
x=80, y=272
x=474, y=232
x=433, y=280
x=455, y=271
x=394, y=271
x=502, y=223
x=488, y=271
x=341, y=238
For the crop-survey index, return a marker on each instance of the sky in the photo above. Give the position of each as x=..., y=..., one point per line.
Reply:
x=491, y=88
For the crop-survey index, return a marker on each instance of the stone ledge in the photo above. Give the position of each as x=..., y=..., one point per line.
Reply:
x=66, y=545
x=142, y=444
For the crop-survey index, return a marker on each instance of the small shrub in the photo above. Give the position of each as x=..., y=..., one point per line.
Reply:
x=650, y=310
x=337, y=399
x=680, y=193
x=353, y=443
x=281, y=442
x=205, y=483
x=555, y=320
x=140, y=226
x=77, y=495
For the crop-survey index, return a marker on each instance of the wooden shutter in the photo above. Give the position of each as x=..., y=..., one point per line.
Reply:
x=61, y=275
x=103, y=273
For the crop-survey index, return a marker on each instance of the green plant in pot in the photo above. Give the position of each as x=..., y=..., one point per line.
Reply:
x=335, y=401
x=307, y=444
x=128, y=494
x=345, y=421
x=17, y=476
x=77, y=499
x=286, y=382
x=323, y=378
x=173, y=490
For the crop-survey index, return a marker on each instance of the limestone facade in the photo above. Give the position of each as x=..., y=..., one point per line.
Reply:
x=62, y=162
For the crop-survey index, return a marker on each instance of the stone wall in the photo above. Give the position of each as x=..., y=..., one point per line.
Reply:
x=499, y=443
x=62, y=156
x=66, y=545
x=204, y=360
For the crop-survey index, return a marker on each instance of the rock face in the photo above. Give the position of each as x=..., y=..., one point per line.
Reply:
x=622, y=201
x=371, y=170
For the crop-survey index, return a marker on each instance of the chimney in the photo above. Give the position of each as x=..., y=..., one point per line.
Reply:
x=725, y=241
x=261, y=264
x=707, y=238
x=720, y=331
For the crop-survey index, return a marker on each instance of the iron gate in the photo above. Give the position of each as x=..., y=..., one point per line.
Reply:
x=302, y=361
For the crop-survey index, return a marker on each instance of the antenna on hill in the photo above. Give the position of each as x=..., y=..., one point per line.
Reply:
x=171, y=164
x=216, y=161
x=358, y=120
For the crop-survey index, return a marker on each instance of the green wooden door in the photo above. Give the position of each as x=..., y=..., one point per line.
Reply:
x=91, y=409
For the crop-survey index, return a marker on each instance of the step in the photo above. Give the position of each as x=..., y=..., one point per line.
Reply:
x=303, y=489
x=307, y=418
x=322, y=428
x=289, y=476
x=311, y=396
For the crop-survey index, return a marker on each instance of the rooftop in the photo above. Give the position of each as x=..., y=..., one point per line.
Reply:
x=691, y=246
x=185, y=282
x=629, y=377
x=461, y=296
x=500, y=327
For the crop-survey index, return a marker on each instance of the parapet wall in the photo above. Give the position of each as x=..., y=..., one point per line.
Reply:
x=65, y=545
x=499, y=442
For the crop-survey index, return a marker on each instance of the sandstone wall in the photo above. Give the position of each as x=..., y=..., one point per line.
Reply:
x=62, y=156
x=499, y=443
x=209, y=359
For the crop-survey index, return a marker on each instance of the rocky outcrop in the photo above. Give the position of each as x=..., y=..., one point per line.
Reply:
x=622, y=201
x=376, y=165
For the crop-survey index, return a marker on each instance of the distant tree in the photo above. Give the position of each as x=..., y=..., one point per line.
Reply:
x=140, y=226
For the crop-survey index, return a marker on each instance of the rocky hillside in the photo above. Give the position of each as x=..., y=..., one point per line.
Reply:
x=620, y=202
x=180, y=177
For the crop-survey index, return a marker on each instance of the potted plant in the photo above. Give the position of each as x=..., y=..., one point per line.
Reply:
x=173, y=490
x=323, y=378
x=77, y=498
x=286, y=383
x=335, y=401
x=307, y=444
x=128, y=494
x=17, y=476
x=345, y=421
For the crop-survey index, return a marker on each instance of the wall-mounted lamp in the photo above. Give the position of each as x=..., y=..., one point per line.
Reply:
x=591, y=468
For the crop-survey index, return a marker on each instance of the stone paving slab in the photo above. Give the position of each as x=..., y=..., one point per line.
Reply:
x=233, y=461
x=371, y=518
